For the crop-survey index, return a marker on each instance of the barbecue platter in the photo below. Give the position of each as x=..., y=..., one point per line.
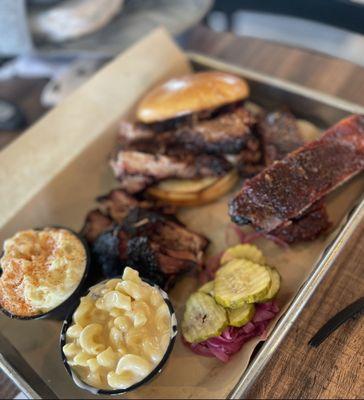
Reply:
x=197, y=147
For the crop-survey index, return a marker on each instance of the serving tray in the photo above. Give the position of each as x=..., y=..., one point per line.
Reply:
x=68, y=151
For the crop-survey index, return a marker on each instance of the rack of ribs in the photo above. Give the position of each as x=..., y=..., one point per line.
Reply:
x=289, y=187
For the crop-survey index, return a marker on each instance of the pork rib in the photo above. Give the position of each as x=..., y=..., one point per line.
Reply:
x=307, y=227
x=287, y=188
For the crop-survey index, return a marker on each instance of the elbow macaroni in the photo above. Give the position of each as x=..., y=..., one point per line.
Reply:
x=120, y=332
x=41, y=270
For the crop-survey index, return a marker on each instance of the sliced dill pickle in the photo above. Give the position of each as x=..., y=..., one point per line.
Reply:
x=247, y=251
x=274, y=287
x=242, y=315
x=241, y=281
x=203, y=318
x=207, y=288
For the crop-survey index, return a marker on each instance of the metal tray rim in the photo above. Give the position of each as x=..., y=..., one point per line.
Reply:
x=321, y=267
x=296, y=88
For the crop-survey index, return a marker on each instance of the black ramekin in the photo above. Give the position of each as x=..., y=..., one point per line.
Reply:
x=59, y=312
x=148, y=378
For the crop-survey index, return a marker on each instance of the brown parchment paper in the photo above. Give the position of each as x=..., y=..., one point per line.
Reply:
x=52, y=174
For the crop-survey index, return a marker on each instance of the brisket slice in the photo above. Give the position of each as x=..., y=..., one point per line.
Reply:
x=279, y=135
x=227, y=132
x=287, y=188
x=137, y=170
x=135, y=183
x=248, y=162
x=308, y=227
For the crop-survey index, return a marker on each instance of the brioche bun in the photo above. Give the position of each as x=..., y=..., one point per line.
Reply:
x=193, y=193
x=189, y=94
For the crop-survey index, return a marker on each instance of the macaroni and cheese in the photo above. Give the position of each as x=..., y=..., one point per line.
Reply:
x=120, y=333
x=40, y=270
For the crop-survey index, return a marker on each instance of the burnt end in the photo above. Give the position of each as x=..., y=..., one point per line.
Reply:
x=139, y=219
x=141, y=257
x=106, y=253
x=96, y=223
x=117, y=204
x=144, y=235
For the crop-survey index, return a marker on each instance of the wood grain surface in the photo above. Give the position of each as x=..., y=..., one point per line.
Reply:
x=336, y=368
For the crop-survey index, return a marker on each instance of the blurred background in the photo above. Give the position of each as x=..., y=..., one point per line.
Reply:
x=49, y=47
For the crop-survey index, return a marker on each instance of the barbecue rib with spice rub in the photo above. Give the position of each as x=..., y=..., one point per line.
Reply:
x=287, y=188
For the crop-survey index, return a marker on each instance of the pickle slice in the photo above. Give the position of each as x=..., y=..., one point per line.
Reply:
x=248, y=251
x=241, y=281
x=203, y=318
x=207, y=288
x=274, y=287
x=242, y=315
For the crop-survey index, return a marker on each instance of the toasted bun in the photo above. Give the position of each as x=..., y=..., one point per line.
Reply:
x=201, y=193
x=189, y=94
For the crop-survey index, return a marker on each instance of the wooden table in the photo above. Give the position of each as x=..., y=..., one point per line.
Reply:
x=336, y=368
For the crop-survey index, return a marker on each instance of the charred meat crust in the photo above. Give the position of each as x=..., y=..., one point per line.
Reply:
x=226, y=132
x=118, y=204
x=144, y=236
x=305, y=228
x=106, y=252
x=96, y=222
x=287, y=188
x=279, y=134
x=142, y=257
